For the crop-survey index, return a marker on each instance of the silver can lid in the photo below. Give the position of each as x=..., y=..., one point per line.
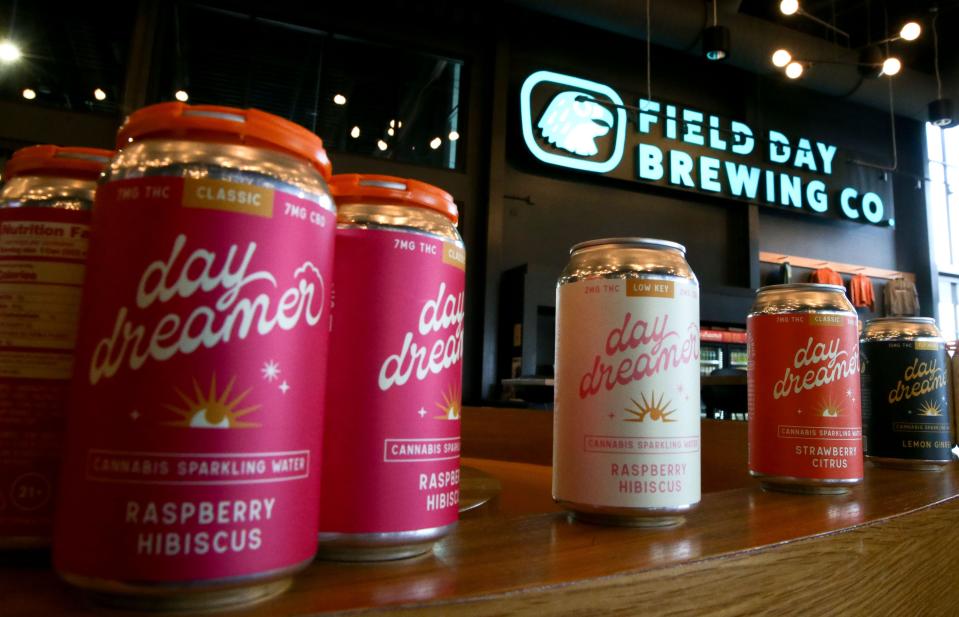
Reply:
x=802, y=287
x=650, y=243
x=915, y=320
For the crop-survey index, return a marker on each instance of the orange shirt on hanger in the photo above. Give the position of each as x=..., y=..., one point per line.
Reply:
x=826, y=276
x=861, y=292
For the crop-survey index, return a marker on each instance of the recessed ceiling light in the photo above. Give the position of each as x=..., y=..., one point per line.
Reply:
x=355, y=132
x=435, y=143
x=99, y=94
x=794, y=70
x=339, y=99
x=9, y=52
x=29, y=94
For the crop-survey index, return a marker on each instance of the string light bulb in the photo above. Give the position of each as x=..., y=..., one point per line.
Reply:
x=789, y=7
x=781, y=58
x=891, y=66
x=910, y=31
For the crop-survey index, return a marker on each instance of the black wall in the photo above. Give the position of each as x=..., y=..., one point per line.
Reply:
x=547, y=209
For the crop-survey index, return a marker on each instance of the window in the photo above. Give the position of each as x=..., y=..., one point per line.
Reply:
x=942, y=157
x=74, y=53
x=360, y=96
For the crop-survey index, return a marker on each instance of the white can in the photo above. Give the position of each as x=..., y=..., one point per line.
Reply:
x=626, y=436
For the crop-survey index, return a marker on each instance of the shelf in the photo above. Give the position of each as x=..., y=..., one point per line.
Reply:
x=842, y=268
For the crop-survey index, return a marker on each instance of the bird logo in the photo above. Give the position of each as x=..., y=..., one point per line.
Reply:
x=573, y=121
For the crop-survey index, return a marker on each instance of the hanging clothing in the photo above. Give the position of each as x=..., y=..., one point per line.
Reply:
x=901, y=297
x=785, y=272
x=826, y=276
x=781, y=275
x=861, y=292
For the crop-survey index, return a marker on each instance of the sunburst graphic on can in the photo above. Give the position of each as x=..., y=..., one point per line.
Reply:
x=212, y=409
x=829, y=407
x=929, y=408
x=654, y=409
x=450, y=405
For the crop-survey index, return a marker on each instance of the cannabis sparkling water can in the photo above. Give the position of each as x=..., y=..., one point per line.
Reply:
x=906, y=415
x=626, y=436
x=392, y=447
x=192, y=466
x=805, y=423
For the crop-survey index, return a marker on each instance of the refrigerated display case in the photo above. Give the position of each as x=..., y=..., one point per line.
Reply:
x=721, y=349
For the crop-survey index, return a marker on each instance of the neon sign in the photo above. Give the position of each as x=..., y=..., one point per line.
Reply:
x=580, y=124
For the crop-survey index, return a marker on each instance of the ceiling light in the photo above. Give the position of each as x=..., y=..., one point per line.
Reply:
x=381, y=145
x=392, y=123
x=9, y=52
x=99, y=94
x=355, y=132
x=435, y=143
x=29, y=94
x=454, y=135
x=390, y=132
x=781, y=58
x=789, y=7
x=181, y=96
x=910, y=31
x=399, y=124
x=716, y=42
x=940, y=113
x=339, y=99
x=794, y=70
x=891, y=66
x=940, y=110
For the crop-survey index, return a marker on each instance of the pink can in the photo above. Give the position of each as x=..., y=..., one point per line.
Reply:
x=390, y=480
x=191, y=477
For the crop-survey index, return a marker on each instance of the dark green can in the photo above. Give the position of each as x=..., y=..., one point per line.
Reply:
x=906, y=415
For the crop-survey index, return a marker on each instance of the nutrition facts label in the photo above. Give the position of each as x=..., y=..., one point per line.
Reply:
x=42, y=254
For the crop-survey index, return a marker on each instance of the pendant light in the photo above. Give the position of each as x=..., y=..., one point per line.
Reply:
x=715, y=39
x=940, y=110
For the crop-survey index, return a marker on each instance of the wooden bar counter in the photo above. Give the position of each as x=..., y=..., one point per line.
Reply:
x=891, y=547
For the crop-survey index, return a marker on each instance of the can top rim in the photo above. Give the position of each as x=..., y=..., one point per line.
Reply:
x=652, y=243
x=802, y=286
x=49, y=160
x=229, y=125
x=357, y=188
x=905, y=319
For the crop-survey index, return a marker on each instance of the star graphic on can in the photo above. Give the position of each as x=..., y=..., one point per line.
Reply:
x=271, y=370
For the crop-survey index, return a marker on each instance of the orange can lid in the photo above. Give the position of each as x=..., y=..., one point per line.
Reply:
x=250, y=127
x=45, y=160
x=353, y=188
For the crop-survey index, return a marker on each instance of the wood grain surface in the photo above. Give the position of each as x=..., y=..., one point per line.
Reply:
x=890, y=547
x=526, y=436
